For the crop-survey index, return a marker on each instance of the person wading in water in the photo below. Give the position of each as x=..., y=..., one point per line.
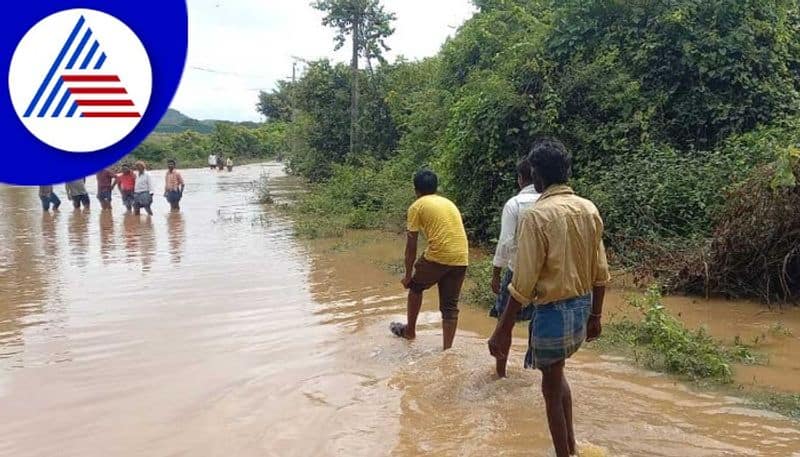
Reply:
x=126, y=181
x=561, y=267
x=173, y=186
x=106, y=180
x=507, y=244
x=142, y=190
x=444, y=262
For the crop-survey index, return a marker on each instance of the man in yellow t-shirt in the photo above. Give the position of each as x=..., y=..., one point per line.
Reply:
x=444, y=261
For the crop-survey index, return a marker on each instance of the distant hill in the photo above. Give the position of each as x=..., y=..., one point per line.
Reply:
x=175, y=122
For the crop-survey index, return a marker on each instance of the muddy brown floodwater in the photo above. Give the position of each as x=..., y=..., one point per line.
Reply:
x=213, y=332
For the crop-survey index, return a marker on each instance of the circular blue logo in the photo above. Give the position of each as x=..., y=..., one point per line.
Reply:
x=86, y=83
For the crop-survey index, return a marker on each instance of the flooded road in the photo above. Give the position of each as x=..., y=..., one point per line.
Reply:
x=213, y=332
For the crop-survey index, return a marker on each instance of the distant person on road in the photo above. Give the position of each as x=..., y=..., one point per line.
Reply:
x=229, y=163
x=212, y=161
x=126, y=181
x=444, y=262
x=76, y=191
x=106, y=180
x=220, y=162
x=173, y=186
x=142, y=190
x=507, y=242
x=49, y=197
x=561, y=267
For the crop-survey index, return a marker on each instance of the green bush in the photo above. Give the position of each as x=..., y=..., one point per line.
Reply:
x=666, y=107
x=246, y=141
x=645, y=96
x=661, y=342
x=479, y=276
x=360, y=198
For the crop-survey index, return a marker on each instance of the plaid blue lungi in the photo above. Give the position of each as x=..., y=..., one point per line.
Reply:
x=557, y=331
x=500, y=303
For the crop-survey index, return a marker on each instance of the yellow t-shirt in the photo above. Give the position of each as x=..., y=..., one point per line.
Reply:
x=440, y=222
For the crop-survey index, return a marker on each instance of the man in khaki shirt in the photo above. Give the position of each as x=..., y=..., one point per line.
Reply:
x=561, y=267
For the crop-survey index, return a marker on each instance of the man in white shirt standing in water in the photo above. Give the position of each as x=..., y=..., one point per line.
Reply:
x=507, y=243
x=212, y=161
x=142, y=190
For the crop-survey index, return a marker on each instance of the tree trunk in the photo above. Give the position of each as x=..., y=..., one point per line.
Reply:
x=354, y=89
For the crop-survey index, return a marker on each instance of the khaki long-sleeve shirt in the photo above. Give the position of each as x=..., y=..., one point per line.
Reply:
x=560, y=251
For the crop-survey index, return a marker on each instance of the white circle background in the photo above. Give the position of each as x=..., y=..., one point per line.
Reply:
x=35, y=54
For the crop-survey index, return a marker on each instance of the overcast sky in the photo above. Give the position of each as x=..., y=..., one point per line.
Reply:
x=238, y=47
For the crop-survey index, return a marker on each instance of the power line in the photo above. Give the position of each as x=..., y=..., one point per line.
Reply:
x=229, y=73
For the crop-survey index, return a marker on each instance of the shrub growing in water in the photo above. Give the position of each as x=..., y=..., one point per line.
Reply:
x=662, y=342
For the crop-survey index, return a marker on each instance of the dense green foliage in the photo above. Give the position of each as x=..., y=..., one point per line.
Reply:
x=666, y=107
x=275, y=105
x=320, y=133
x=367, y=25
x=243, y=142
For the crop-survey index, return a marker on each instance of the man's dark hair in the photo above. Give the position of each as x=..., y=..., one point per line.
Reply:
x=171, y=161
x=524, y=170
x=426, y=182
x=551, y=160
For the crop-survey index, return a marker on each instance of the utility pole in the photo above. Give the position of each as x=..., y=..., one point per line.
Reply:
x=294, y=66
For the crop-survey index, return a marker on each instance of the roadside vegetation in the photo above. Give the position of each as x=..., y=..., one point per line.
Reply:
x=654, y=339
x=190, y=142
x=681, y=117
x=657, y=340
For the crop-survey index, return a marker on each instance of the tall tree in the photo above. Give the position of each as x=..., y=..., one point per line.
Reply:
x=276, y=105
x=367, y=25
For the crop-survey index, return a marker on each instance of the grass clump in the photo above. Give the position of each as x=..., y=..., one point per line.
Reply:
x=479, y=275
x=779, y=329
x=262, y=191
x=353, y=198
x=661, y=342
x=312, y=228
x=780, y=402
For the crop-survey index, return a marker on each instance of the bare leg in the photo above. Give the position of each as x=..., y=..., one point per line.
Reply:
x=553, y=391
x=149, y=211
x=449, y=327
x=414, y=305
x=449, y=287
x=567, y=401
x=501, y=367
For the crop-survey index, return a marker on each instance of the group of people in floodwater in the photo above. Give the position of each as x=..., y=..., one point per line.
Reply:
x=218, y=162
x=136, y=189
x=551, y=246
